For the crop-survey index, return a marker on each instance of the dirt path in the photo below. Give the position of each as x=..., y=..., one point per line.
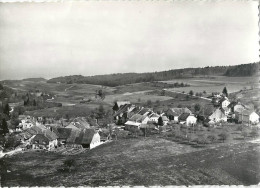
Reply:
x=68, y=88
x=187, y=94
x=10, y=152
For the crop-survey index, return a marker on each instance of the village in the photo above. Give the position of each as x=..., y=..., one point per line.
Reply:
x=130, y=120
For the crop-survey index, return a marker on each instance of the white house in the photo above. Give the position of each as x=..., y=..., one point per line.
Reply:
x=247, y=116
x=154, y=117
x=218, y=115
x=224, y=102
x=188, y=119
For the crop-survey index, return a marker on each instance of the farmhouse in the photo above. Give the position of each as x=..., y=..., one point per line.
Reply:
x=248, y=116
x=79, y=123
x=224, y=102
x=218, y=115
x=45, y=141
x=174, y=113
x=118, y=104
x=154, y=117
x=88, y=138
x=62, y=134
x=188, y=119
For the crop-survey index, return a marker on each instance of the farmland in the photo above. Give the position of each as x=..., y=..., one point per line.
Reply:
x=142, y=161
x=216, y=84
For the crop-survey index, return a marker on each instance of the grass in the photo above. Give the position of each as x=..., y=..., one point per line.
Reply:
x=139, y=161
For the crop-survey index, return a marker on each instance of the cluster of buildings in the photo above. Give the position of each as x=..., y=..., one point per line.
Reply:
x=135, y=117
x=232, y=111
x=78, y=133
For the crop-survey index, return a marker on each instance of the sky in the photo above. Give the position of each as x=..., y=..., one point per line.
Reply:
x=102, y=37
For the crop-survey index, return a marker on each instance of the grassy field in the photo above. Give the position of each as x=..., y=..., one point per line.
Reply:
x=138, y=161
x=216, y=84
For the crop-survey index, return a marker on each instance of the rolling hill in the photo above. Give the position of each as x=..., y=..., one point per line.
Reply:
x=129, y=78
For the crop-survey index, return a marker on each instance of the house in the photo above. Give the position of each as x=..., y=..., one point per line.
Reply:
x=174, y=113
x=224, y=102
x=41, y=141
x=248, y=116
x=145, y=111
x=79, y=123
x=118, y=104
x=154, y=117
x=165, y=120
x=104, y=135
x=62, y=134
x=88, y=138
x=26, y=123
x=218, y=115
x=188, y=119
x=123, y=113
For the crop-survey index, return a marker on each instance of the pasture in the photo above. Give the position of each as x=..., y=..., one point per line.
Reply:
x=138, y=161
x=216, y=84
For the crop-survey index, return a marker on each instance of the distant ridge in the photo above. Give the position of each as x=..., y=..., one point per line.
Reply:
x=129, y=78
x=35, y=79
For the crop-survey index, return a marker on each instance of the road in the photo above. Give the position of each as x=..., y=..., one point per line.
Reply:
x=187, y=94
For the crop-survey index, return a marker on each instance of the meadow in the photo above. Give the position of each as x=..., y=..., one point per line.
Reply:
x=216, y=84
x=138, y=161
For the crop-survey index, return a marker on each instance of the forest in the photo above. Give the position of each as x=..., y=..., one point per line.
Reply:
x=130, y=78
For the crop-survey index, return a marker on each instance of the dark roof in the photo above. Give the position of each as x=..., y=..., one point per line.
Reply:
x=122, y=109
x=183, y=116
x=178, y=111
x=73, y=135
x=50, y=135
x=63, y=133
x=143, y=111
x=85, y=136
x=40, y=139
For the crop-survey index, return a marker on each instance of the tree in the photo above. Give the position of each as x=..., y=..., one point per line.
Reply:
x=1, y=86
x=191, y=93
x=6, y=110
x=225, y=92
x=101, y=111
x=4, y=128
x=149, y=103
x=34, y=102
x=197, y=107
x=163, y=92
x=160, y=121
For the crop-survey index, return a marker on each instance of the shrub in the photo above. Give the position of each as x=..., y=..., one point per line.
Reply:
x=223, y=136
x=212, y=138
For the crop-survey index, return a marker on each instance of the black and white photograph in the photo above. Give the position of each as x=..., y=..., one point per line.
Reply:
x=129, y=93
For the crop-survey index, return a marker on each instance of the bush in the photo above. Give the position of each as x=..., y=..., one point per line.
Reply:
x=212, y=138
x=223, y=136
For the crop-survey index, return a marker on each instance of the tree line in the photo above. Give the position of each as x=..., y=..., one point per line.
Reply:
x=130, y=78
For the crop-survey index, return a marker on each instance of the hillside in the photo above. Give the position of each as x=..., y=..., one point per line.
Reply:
x=35, y=79
x=129, y=78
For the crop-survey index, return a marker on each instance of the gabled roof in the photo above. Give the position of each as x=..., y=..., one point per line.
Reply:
x=183, y=116
x=62, y=133
x=123, y=108
x=247, y=112
x=135, y=117
x=178, y=111
x=40, y=139
x=71, y=126
x=80, y=123
x=85, y=136
x=120, y=103
x=223, y=99
x=73, y=135
x=50, y=135
x=144, y=110
x=218, y=113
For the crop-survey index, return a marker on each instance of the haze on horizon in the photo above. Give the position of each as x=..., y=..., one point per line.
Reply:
x=98, y=37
